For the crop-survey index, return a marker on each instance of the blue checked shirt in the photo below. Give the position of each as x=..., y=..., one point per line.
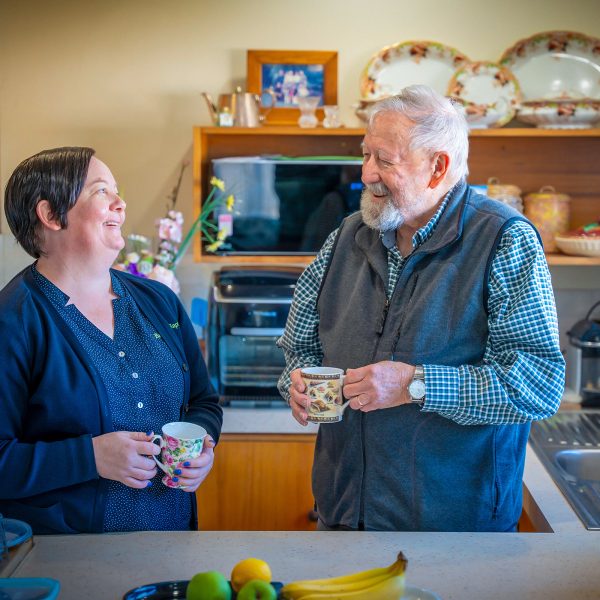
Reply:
x=522, y=348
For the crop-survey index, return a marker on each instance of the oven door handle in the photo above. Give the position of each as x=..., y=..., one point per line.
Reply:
x=257, y=331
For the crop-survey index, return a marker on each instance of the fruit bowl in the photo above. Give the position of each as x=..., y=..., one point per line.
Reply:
x=578, y=245
x=168, y=590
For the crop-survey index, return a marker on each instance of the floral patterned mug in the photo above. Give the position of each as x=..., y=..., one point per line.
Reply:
x=179, y=442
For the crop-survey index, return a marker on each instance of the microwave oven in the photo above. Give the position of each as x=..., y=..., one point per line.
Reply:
x=285, y=205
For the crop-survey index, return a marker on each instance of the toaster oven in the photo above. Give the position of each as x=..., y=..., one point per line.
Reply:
x=247, y=312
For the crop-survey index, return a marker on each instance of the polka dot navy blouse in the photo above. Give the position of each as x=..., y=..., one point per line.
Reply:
x=145, y=386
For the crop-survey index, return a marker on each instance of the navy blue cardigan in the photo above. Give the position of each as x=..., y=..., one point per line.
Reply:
x=52, y=403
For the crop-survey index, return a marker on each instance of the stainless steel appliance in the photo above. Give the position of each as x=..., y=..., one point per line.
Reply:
x=583, y=359
x=247, y=311
x=568, y=445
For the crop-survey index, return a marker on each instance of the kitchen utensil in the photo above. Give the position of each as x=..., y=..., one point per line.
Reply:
x=247, y=109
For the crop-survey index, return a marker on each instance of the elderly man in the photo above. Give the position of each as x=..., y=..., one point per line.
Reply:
x=437, y=302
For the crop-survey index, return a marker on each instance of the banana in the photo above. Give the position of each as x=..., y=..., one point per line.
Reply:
x=390, y=588
x=380, y=581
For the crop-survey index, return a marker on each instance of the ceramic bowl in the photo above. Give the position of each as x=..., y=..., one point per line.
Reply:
x=560, y=115
x=578, y=246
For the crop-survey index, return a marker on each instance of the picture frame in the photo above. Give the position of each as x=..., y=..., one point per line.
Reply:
x=289, y=73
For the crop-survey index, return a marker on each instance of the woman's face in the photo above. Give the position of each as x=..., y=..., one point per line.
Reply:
x=94, y=223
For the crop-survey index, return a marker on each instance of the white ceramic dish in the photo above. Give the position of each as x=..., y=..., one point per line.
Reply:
x=560, y=115
x=412, y=592
x=578, y=246
x=556, y=65
x=407, y=63
x=488, y=92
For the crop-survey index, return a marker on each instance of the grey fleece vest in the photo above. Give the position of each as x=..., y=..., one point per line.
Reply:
x=401, y=468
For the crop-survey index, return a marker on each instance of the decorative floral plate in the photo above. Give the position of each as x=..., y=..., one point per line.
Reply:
x=407, y=63
x=556, y=65
x=560, y=115
x=488, y=92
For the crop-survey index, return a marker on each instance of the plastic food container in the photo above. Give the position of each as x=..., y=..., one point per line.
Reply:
x=29, y=588
x=550, y=213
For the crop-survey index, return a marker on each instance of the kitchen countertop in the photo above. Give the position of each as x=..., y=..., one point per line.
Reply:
x=457, y=566
x=263, y=420
x=461, y=566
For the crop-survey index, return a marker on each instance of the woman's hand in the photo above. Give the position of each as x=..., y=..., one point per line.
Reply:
x=193, y=472
x=124, y=456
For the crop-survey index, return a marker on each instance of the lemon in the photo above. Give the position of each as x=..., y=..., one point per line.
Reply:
x=247, y=570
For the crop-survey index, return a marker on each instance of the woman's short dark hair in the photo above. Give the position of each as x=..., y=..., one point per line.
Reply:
x=55, y=175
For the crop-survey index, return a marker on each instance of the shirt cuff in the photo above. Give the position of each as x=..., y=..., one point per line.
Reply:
x=442, y=389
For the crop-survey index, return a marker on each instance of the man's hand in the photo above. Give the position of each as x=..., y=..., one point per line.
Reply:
x=124, y=456
x=380, y=385
x=299, y=401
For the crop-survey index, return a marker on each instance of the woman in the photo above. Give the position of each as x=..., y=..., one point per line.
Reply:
x=92, y=361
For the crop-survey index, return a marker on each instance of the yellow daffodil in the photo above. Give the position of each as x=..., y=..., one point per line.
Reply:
x=230, y=202
x=214, y=246
x=219, y=183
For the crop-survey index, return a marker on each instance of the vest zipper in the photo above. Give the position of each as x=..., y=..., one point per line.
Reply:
x=386, y=308
x=401, y=319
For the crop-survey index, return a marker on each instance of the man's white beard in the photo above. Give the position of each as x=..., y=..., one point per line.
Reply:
x=377, y=214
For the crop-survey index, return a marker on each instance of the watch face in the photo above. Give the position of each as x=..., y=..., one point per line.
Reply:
x=416, y=389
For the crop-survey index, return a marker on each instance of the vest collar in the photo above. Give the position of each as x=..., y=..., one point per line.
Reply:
x=447, y=230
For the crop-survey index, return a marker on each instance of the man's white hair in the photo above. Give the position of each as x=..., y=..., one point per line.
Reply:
x=439, y=125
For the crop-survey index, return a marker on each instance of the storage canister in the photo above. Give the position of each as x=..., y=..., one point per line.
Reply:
x=507, y=193
x=550, y=213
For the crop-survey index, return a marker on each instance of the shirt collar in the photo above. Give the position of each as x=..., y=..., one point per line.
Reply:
x=388, y=238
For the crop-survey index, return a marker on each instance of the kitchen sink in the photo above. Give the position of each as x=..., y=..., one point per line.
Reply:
x=568, y=445
x=579, y=465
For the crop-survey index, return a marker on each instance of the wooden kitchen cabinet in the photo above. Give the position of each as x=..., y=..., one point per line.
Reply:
x=259, y=482
x=567, y=159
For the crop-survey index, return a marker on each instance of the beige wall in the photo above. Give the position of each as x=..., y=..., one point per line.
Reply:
x=125, y=76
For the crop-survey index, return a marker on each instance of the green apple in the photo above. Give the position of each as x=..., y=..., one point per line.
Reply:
x=211, y=585
x=257, y=589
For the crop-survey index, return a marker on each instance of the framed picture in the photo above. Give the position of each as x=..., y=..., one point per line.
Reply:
x=289, y=74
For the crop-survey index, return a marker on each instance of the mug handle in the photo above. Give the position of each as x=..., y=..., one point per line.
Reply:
x=343, y=405
x=161, y=443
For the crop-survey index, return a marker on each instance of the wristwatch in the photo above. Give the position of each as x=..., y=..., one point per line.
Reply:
x=416, y=388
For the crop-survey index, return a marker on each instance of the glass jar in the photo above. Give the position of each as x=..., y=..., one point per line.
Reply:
x=550, y=213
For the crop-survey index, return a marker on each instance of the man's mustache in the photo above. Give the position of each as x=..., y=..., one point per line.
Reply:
x=379, y=189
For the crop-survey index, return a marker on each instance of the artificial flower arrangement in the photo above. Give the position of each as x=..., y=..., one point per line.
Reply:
x=137, y=257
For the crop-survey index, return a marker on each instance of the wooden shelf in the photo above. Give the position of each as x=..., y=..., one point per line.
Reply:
x=528, y=157
x=566, y=260
x=345, y=131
